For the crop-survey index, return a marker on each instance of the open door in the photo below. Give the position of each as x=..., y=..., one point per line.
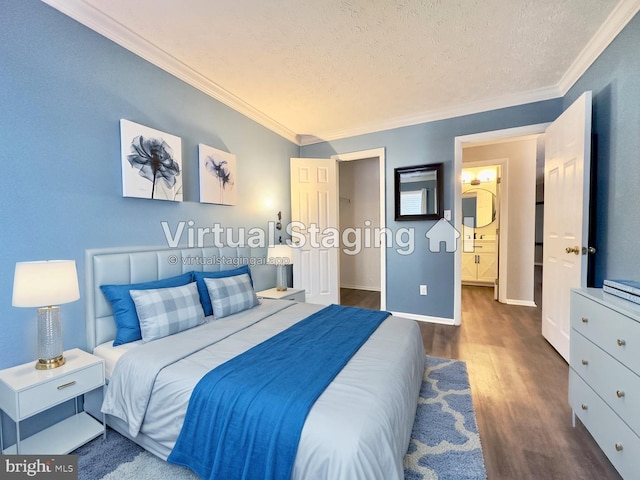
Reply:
x=566, y=218
x=314, y=215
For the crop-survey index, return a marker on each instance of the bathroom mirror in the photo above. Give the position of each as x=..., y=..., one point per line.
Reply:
x=478, y=208
x=418, y=192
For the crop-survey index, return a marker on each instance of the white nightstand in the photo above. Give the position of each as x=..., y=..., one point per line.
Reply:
x=25, y=391
x=295, y=294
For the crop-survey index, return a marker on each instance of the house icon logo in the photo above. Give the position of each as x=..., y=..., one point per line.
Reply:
x=441, y=232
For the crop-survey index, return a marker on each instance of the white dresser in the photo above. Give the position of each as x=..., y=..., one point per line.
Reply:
x=604, y=381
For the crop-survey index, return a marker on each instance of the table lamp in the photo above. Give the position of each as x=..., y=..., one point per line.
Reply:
x=280, y=256
x=45, y=285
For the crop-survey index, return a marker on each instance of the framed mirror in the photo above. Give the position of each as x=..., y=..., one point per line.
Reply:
x=478, y=208
x=419, y=192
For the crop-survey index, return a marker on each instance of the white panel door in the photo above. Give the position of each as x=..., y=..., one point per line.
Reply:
x=566, y=217
x=314, y=216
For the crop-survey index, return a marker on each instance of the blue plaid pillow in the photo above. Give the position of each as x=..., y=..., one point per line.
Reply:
x=165, y=311
x=124, y=310
x=231, y=294
x=202, y=287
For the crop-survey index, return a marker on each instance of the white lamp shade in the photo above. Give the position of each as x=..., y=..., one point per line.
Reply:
x=45, y=283
x=280, y=255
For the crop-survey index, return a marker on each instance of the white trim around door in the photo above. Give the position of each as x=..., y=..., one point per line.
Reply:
x=488, y=137
x=380, y=154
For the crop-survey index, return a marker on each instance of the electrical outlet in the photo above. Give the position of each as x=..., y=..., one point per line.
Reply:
x=423, y=289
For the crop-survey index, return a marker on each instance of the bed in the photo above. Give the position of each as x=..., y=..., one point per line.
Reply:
x=359, y=427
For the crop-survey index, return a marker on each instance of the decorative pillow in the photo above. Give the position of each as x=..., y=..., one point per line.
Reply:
x=231, y=294
x=202, y=288
x=124, y=310
x=165, y=311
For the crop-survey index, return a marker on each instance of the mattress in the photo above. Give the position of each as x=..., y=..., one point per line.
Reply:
x=358, y=428
x=111, y=354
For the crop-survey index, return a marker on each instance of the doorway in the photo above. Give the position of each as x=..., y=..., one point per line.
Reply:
x=361, y=207
x=481, y=204
x=359, y=217
x=516, y=272
x=315, y=201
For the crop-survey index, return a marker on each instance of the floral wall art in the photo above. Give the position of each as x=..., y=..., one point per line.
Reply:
x=217, y=176
x=151, y=163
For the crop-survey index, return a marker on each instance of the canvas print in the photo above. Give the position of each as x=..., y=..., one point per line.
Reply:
x=217, y=176
x=151, y=163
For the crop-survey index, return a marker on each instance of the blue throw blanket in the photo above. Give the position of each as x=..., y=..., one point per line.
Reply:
x=245, y=417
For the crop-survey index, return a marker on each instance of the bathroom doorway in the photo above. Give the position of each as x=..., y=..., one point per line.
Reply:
x=481, y=225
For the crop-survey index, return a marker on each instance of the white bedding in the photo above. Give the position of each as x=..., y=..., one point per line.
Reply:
x=111, y=354
x=358, y=428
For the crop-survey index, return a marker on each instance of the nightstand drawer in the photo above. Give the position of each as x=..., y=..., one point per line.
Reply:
x=59, y=389
x=293, y=294
x=296, y=297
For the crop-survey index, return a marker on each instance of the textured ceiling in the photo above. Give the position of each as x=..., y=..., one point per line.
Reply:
x=332, y=68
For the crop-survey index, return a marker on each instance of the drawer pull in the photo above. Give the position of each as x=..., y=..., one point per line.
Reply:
x=62, y=387
x=618, y=447
x=619, y=393
x=585, y=320
x=585, y=362
x=621, y=343
x=584, y=406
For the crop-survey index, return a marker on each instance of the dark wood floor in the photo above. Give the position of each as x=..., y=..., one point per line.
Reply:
x=519, y=385
x=360, y=298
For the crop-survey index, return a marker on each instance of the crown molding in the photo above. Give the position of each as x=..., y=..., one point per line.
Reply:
x=531, y=96
x=608, y=31
x=115, y=31
x=108, y=27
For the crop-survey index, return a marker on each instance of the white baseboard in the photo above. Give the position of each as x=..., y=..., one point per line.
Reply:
x=424, y=318
x=520, y=303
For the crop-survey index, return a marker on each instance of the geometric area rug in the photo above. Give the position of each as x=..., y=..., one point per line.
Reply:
x=445, y=444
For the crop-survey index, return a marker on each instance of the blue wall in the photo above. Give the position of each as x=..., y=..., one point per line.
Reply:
x=614, y=79
x=420, y=144
x=63, y=90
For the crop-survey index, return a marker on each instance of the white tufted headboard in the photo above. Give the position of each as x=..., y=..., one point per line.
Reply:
x=124, y=265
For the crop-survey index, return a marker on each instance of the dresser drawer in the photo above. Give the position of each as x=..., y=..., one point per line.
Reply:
x=618, y=386
x=59, y=389
x=614, y=332
x=614, y=437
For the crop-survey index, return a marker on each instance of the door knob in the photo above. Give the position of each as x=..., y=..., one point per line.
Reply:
x=575, y=250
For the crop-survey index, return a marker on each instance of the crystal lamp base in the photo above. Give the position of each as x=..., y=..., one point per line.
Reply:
x=49, y=339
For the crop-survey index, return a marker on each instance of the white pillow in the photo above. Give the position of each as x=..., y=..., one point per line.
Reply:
x=165, y=311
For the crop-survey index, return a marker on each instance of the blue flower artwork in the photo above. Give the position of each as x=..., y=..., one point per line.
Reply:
x=151, y=163
x=217, y=176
